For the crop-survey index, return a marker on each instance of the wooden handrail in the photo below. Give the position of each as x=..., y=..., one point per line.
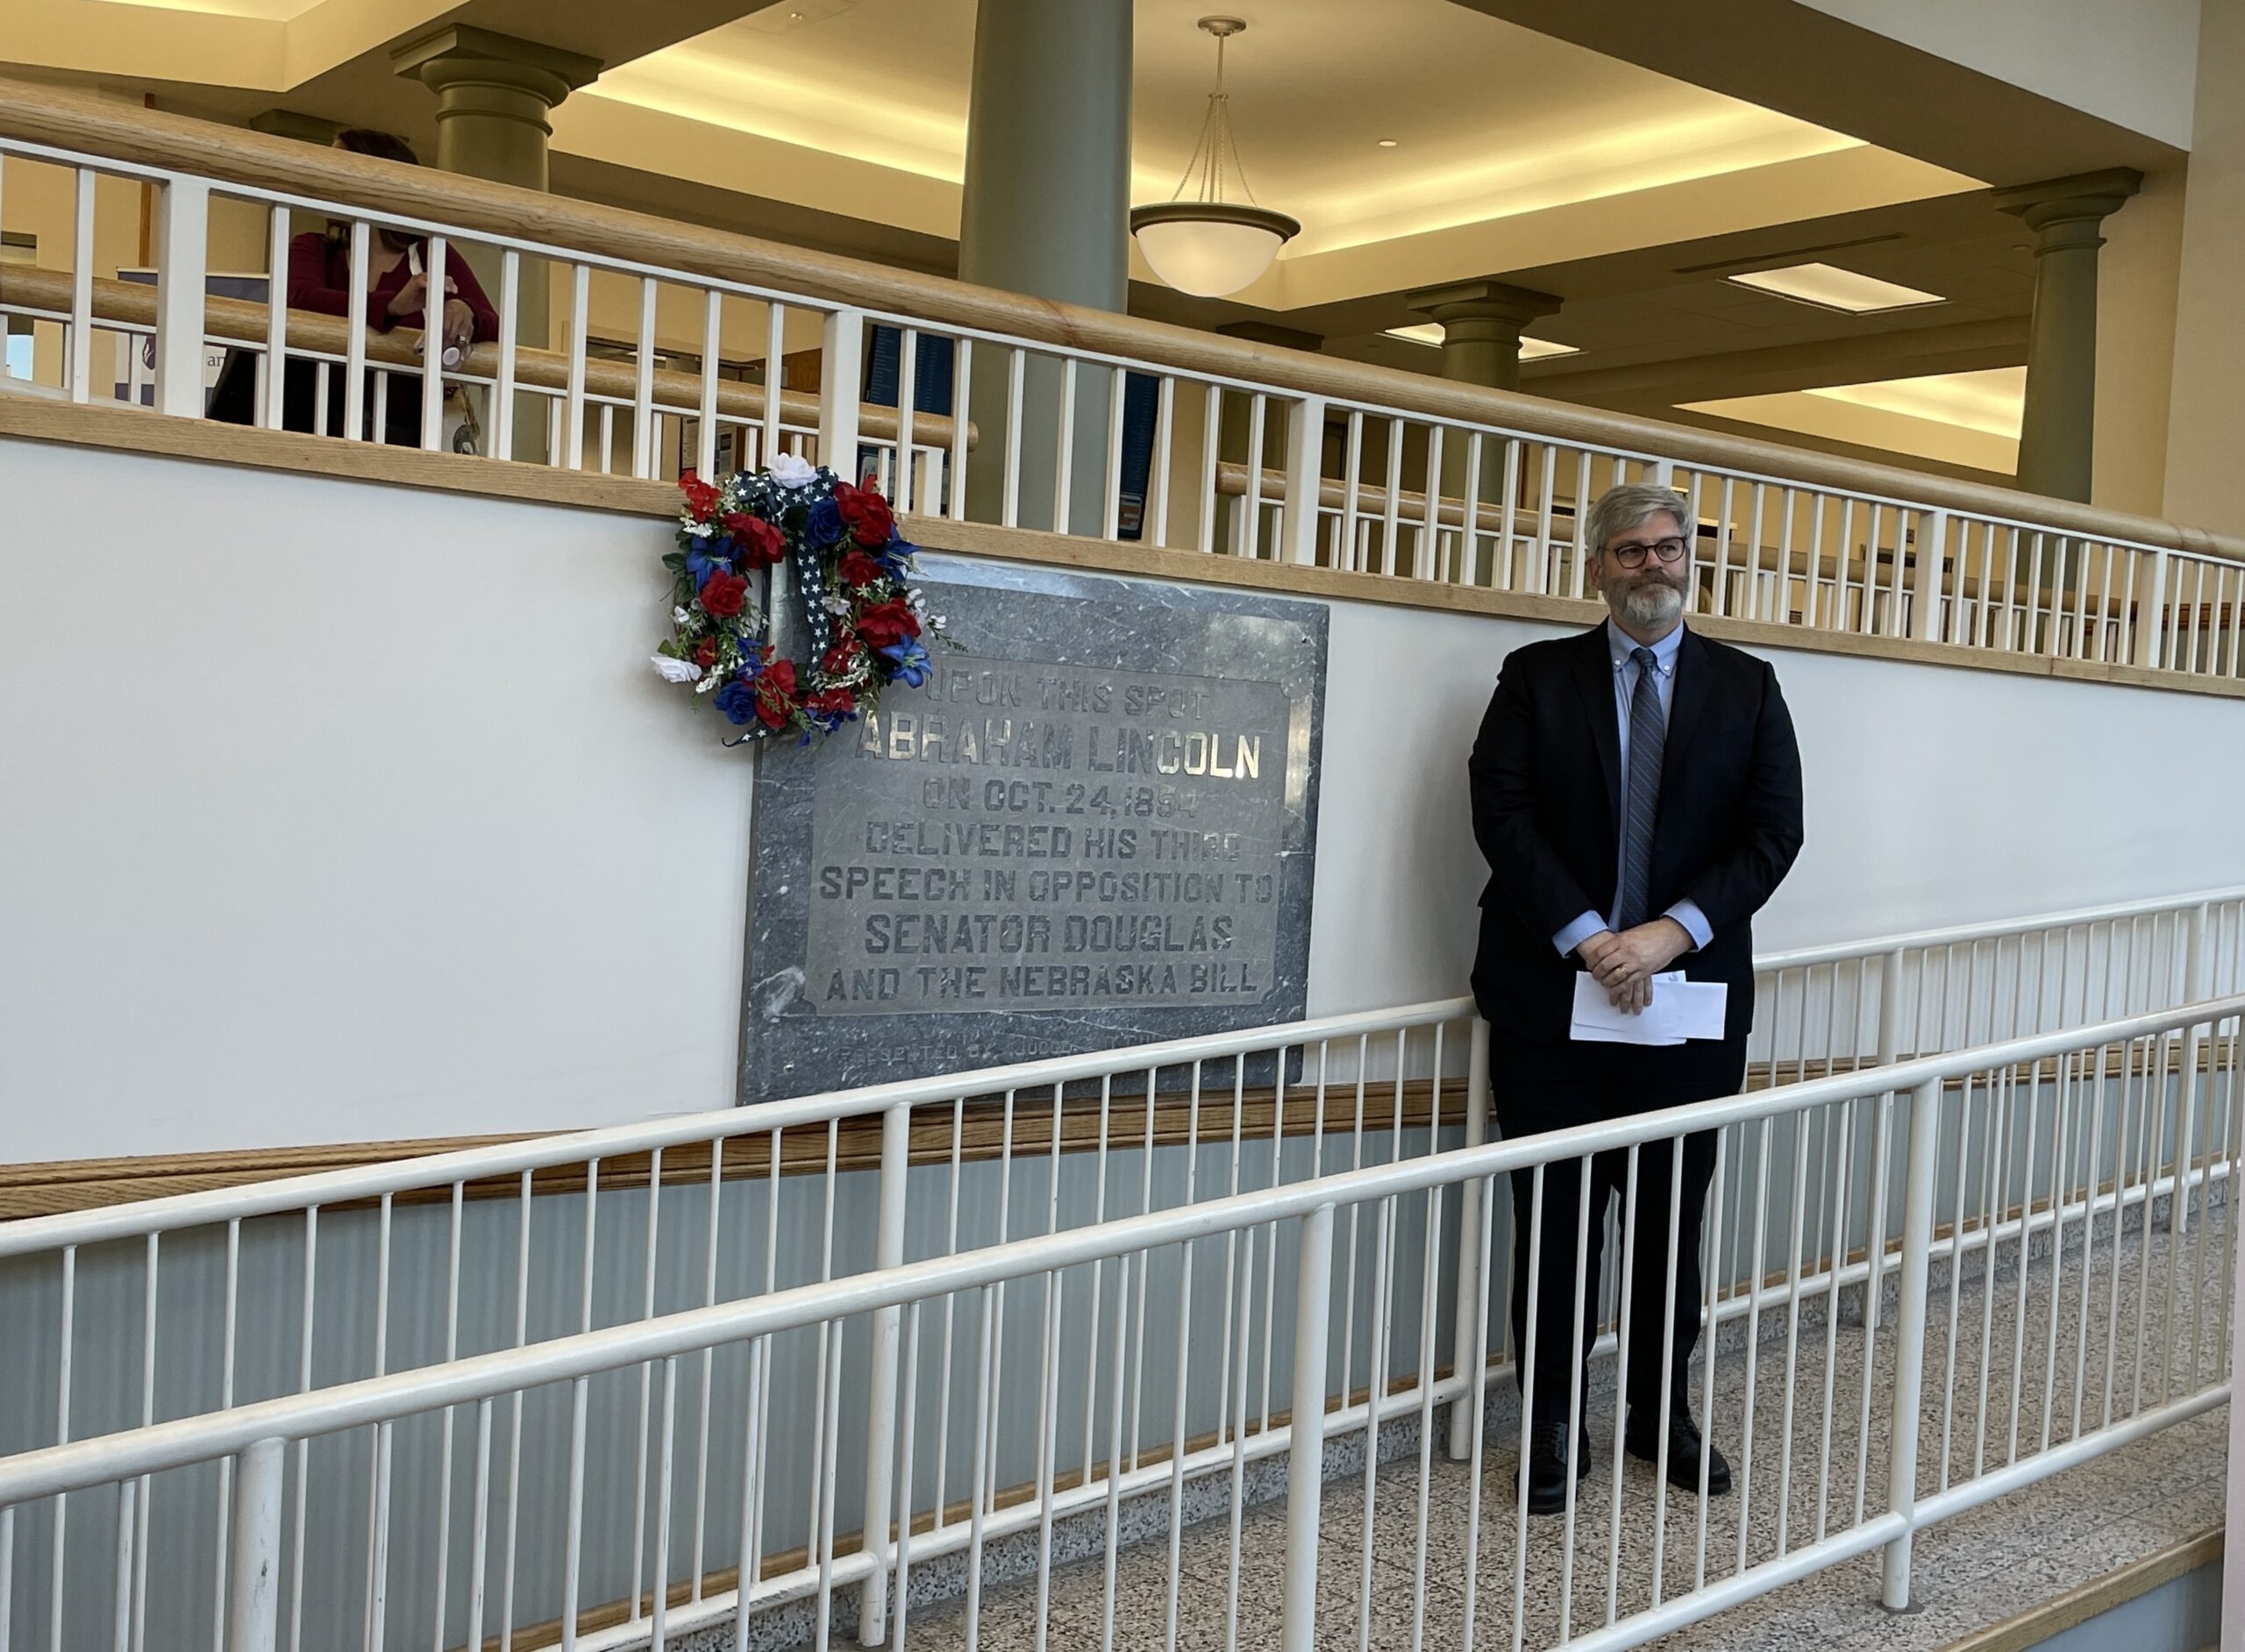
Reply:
x=228, y=154
x=243, y=321
x=1450, y=512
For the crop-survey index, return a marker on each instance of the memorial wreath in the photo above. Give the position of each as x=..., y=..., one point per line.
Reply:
x=865, y=624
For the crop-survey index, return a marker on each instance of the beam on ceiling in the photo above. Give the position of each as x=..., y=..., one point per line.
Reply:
x=1806, y=63
x=1965, y=347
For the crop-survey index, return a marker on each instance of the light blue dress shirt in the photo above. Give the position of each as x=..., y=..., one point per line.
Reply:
x=1621, y=646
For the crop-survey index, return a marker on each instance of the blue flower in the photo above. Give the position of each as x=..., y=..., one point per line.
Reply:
x=911, y=662
x=701, y=563
x=823, y=525
x=737, y=699
x=896, y=555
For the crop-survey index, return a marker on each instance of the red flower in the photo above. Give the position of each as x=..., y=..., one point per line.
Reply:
x=722, y=595
x=836, y=701
x=857, y=568
x=705, y=652
x=775, y=691
x=700, y=497
x=761, y=544
x=841, y=658
x=866, y=513
x=887, y=622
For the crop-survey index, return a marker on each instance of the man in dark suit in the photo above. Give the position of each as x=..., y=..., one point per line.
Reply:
x=1636, y=793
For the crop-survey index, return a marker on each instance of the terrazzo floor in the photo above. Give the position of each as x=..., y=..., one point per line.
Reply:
x=1797, y=1478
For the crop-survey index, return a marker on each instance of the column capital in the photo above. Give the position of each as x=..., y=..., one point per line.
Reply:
x=1484, y=300
x=2085, y=199
x=464, y=65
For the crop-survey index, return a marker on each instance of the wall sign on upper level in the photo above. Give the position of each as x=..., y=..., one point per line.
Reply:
x=1094, y=826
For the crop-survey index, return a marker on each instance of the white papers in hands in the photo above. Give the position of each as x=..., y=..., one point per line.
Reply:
x=1680, y=1009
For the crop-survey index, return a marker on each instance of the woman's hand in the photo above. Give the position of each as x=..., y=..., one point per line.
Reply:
x=414, y=296
x=459, y=322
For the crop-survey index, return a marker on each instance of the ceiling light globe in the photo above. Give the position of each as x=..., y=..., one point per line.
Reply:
x=1210, y=248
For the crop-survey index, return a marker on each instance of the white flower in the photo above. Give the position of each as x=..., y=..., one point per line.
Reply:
x=676, y=670
x=679, y=616
x=791, y=470
x=837, y=605
x=694, y=530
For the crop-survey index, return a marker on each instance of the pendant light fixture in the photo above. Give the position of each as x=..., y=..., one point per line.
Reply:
x=1208, y=245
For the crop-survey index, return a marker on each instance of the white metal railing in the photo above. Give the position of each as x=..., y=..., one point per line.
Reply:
x=1034, y=430
x=2084, y=1224
x=205, y=1301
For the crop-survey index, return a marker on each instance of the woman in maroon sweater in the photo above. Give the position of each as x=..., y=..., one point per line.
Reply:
x=319, y=279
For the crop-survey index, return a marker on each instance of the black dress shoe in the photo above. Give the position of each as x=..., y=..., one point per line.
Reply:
x=1547, y=1466
x=1685, y=1446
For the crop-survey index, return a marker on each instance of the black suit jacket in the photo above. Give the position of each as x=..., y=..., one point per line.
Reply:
x=1545, y=778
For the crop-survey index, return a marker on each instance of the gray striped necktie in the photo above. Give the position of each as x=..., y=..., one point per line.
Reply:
x=1641, y=796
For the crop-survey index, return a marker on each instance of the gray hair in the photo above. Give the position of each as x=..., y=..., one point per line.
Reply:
x=1622, y=508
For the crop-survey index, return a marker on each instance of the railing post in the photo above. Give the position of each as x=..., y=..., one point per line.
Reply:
x=1305, y=1449
x=2197, y=987
x=1471, y=1280
x=841, y=374
x=1664, y=472
x=1889, y=1008
x=253, y=1575
x=880, y=1423
x=1305, y=478
x=182, y=265
x=1910, y=1334
x=1925, y=587
x=2151, y=615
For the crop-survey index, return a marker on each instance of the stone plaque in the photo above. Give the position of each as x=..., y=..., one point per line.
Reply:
x=1094, y=826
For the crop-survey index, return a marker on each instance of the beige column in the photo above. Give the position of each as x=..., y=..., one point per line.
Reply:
x=1481, y=325
x=494, y=94
x=2135, y=346
x=2058, y=431
x=2205, y=429
x=1044, y=211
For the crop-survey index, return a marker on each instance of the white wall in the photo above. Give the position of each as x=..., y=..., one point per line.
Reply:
x=2132, y=62
x=1934, y=797
x=335, y=812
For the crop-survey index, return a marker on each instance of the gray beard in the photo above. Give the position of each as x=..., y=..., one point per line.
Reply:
x=1652, y=604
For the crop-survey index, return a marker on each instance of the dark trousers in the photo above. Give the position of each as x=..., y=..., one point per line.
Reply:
x=233, y=400
x=1541, y=1087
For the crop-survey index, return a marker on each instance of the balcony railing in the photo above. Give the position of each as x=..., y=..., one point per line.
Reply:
x=1025, y=414
x=2086, y=1172
x=210, y=1302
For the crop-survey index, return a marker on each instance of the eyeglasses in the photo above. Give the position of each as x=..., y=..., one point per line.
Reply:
x=1633, y=556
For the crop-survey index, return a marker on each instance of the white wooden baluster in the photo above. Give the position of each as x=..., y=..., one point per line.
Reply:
x=432, y=349
x=82, y=291
x=1305, y=456
x=502, y=388
x=182, y=246
x=643, y=386
x=355, y=323
x=842, y=359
